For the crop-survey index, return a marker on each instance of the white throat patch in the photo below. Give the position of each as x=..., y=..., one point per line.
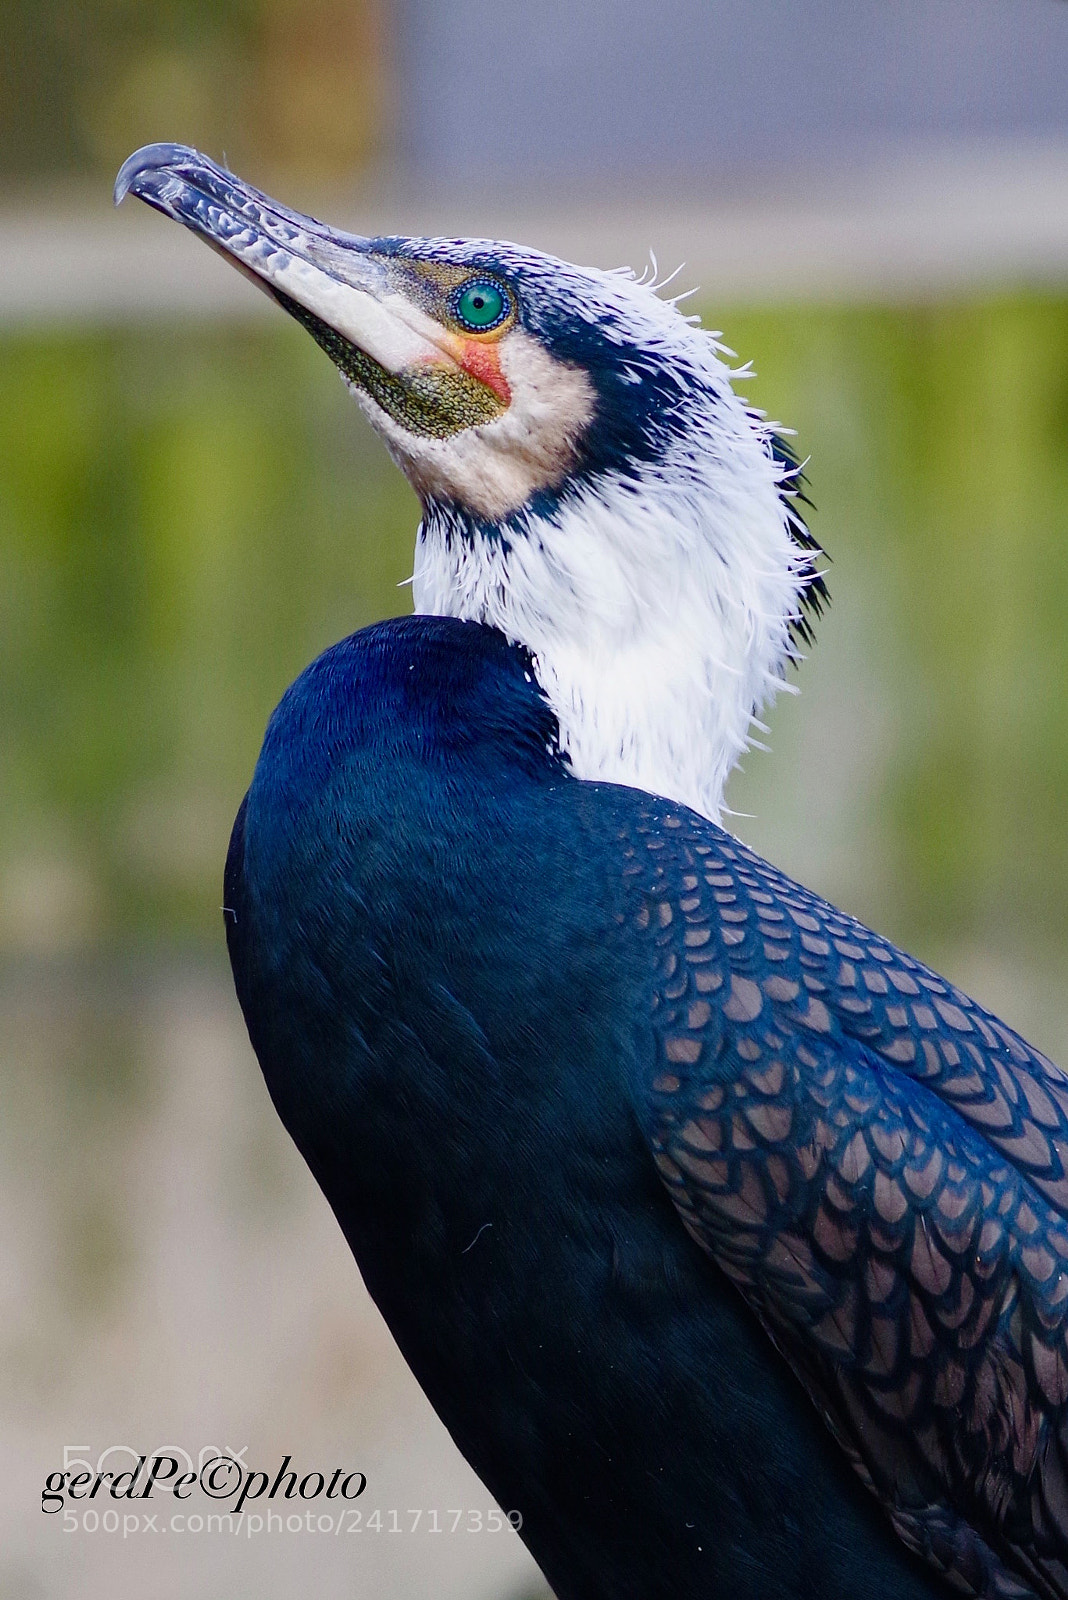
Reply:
x=493, y=468
x=657, y=610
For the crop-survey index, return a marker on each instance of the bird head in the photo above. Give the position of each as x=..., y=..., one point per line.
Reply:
x=591, y=483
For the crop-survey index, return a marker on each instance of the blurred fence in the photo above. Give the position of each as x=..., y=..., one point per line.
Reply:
x=915, y=222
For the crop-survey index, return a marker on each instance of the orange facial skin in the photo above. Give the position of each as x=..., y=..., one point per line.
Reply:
x=482, y=361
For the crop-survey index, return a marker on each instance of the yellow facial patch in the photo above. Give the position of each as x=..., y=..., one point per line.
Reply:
x=435, y=399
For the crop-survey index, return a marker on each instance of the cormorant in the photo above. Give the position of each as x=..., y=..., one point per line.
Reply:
x=729, y=1241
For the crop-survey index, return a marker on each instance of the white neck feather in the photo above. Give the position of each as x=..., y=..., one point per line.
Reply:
x=657, y=611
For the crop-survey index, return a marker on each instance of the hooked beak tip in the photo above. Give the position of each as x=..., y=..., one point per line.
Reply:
x=150, y=158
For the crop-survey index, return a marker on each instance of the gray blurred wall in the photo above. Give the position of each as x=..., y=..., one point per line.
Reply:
x=571, y=92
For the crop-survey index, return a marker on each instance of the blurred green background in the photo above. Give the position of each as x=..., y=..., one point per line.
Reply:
x=188, y=514
x=190, y=509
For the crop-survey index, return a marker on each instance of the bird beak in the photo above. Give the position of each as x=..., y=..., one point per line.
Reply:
x=337, y=278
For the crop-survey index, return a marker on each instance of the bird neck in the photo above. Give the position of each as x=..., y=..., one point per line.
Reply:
x=658, y=612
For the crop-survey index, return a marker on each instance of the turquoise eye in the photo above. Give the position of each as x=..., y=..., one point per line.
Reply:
x=481, y=304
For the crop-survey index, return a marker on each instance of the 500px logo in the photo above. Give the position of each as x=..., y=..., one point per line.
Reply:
x=222, y=1475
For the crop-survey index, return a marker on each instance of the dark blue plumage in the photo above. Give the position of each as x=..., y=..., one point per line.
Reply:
x=433, y=937
x=485, y=993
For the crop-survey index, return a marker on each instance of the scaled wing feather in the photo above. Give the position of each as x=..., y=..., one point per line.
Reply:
x=879, y=1165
